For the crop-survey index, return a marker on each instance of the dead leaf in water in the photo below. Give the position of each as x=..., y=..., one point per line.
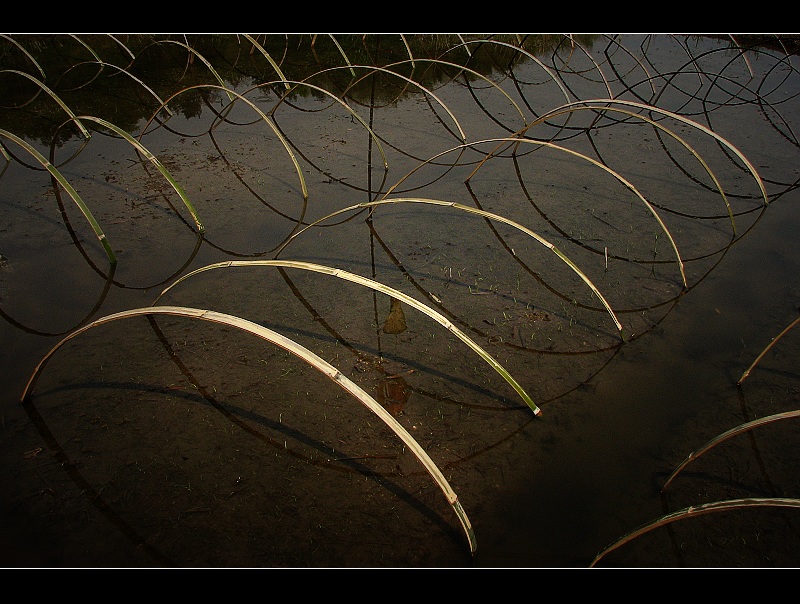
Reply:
x=396, y=321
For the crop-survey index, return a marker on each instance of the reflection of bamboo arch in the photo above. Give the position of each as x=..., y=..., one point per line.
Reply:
x=615, y=41
x=268, y=121
x=603, y=105
x=729, y=434
x=434, y=300
x=573, y=43
x=506, y=143
x=98, y=231
x=130, y=75
x=28, y=56
x=724, y=142
x=57, y=176
x=303, y=353
x=602, y=166
x=699, y=510
x=347, y=107
x=54, y=96
x=206, y=62
x=271, y=123
x=156, y=162
x=267, y=56
x=471, y=210
x=386, y=68
x=374, y=68
x=760, y=100
x=521, y=50
x=685, y=146
x=389, y=291
x=95, y=308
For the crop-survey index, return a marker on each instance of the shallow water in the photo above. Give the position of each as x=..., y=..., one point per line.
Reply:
x=177, y=441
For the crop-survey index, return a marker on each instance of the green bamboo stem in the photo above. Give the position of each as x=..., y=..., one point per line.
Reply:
x=155, y=161
x=262, y=115
x=70, y=191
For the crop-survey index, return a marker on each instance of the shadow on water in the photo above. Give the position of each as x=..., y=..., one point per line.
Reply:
x=544, y=263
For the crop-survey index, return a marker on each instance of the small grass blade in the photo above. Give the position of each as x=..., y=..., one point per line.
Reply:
x=303, y=353
x=695, y=511
x=729, y=434
x=395, y=294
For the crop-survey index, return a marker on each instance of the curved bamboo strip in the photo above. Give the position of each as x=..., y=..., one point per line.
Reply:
x=729, y=434
x=54, y=96
x=685, y=146
x=767, y=349
x=267, y=56
x=205, y=61
x=303, y=353
x=389, y=291
x=721, y=140
x=485, y=214
x=629, y=185
x=155, y=161
x=693, y=512
x=101, y=236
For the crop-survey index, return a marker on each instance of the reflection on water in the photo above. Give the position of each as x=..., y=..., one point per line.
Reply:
x=594, y=213
x=396, y=320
